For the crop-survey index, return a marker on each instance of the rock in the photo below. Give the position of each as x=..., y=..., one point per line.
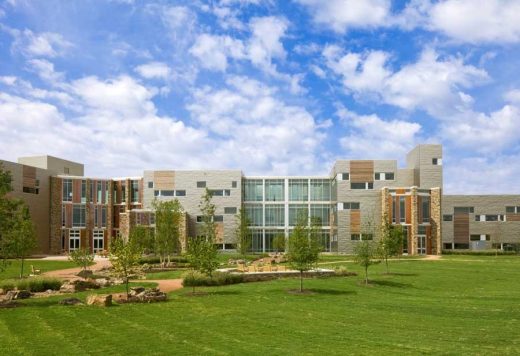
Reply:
x=136, y=291
x=103, y=282
x=145, y=296
x=67, y=287
x=103, y=300
x=85, y=273
x=2, y=292
x=22, y=294
x=10, y=295
x=118, y=281
x=71, y=301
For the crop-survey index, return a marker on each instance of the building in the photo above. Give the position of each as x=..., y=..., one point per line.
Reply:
x=71, y=211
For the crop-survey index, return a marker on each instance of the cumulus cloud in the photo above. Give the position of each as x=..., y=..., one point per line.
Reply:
x=393, y=138
x=45, y=70
x=213, y=51
x=432, y=83
x=154, y=70
x=45, y=44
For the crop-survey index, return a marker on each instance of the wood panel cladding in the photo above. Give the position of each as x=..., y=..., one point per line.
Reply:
x=355, y=222
x=361, y=171
x=408, y=209
x=513, y=217
x=29, y=176
x=461, y=228
x=164, y=180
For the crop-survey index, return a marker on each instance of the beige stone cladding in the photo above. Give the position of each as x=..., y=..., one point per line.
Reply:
x=54, y=165
x=55, y=215
x=187, y=187
x=426, y=160
x=499, y=231
x=436, y=220
x=32, y=185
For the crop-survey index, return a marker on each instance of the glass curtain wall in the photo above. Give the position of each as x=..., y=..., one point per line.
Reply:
x=320, y=189
x=320, y=213
x=255, y=214
x=275, y=215
x=295, y=211
x=274, y=190
x=253, y=190
x=298, y=189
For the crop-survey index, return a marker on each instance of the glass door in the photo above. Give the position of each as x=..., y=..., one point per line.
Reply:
x=421, y=244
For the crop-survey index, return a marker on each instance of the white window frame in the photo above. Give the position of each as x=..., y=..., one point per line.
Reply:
x=74, y=235
x=98, y=235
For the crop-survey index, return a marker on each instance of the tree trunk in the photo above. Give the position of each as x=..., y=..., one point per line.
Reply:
x=301, y=281
x=366, y=275
x=386, y=260
x=127, y=293
x=21, y=269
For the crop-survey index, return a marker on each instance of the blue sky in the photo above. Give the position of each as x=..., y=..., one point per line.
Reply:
x=269, y=87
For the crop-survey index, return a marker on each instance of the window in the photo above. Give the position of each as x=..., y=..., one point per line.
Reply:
x=402, y=209
x=123, y=192
x=257, y=243
x=83, y=191
x=461, y=246
x=99, y=191
x=253, y=190
x=98, y=240
x=320, y=189
x=421, y=230
x=218, y=218
x=447, y=218
x=63, y=216
x=200, y=218
x=384, y=176
x=489, y=218
x=367, y=185
x=345, y=176
x=150, y=185
x=464, y=209
x=274, y=190
x=233, y=184
x=513, y=209
x=255, y=214
x=320, y=214
x=298, y=190
x=201, y=184
x=355, y=237
x=103, y=216
x=425, y=209
x=220, y=192
x=67, y=190
x=437, y=161
x=135, y=191
x=359, y=237
x=479, y=237
x=297, y=211
x=270, y=235
x=31, y=190
x=156, y=193
x=180, y=193
x=92, y=191
x=227, y=192
x=74, y=238
x=166, y=193
x=78, y=215
x=230, y=210
x=351, y=206
x=275, y=215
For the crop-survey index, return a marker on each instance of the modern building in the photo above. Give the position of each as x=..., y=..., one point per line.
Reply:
x=71, y=211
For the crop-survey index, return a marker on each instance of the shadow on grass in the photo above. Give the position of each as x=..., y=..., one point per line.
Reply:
x=400, y=274
x=332, y=291
x=209, y=293
x=388, y=284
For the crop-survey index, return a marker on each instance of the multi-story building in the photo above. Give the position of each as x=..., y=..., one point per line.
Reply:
x=349, y=204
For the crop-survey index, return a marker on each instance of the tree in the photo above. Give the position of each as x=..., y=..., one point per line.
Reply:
x=143, y=237
x=208, y=234
x=391, y=240
x=167, y=233
x=304, y=247
x=21, y=240
x=124, y=257
x=7, y=207
x=243, y=234
x=194, y=252
x=365, y=254
x=83, y=258
x=279, y=243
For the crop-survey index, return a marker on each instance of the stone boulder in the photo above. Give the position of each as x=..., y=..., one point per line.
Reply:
x=142, y=295
x=22, y=294
x=71, y=301
x=103, y=300
x=136, y=290
x=103, y=282
x=67, y=287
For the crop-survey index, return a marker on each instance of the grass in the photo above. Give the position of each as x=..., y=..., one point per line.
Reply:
x=166, y=274
x=13, y=268
x=458, y=305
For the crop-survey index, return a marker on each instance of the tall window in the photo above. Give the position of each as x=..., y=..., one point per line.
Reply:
x=296, y=211
x=92, y=191
x=103, y=216
x=298, y=190
x=270, y=235
x=255, y=214
x=426, y=209
x=253, y=190
x=99, y=190
x=320, y=189
x=274, y=190
x=67, y=190
x=78, y=215
x=97, y=240
x=275, y=215
x=257, y=244
x=320, y=213
x=83, y=191
x=135, y=191
x=402, y=209
x=74, y=237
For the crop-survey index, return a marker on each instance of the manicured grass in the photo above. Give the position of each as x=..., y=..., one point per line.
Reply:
x=13, y=268
x=458, y=305
x=166, y=274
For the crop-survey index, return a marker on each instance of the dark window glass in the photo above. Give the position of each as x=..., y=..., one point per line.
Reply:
x=156, y=193
x=377, y=176
x=345, y=176
x=167, y=193
x=510, y=209
x=201, y=184
x=217, y=192
x=434, y=161
x=491, y=217
x=461, y=246
x=426, y=209
x=463, y=209
x=357, y=185
x=180, y=193
x=355, y=206
x=199, y=218
x=447, y=246
x=355, y=237
x=447, y=218
x=150, y=184
x=230, y=210
x=234, y=184
x=421, y=230
x=370, y=185
x=218, y=218
x=389, y=176
x=402, y=209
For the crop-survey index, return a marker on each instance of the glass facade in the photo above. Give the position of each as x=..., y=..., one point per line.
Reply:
x=78, y=215
x=257, y=242
x=320, y=189
x=425, y=209
x=255, y=214
x=253, y=190
x=270, y=235
x=275, y=215
x=320, y=214
x=67, y=190
x=274, y=190
x=298, y=189
x=296, y=211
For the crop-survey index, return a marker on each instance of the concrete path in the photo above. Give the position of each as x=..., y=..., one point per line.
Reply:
x=165, y=285
x=70, y=273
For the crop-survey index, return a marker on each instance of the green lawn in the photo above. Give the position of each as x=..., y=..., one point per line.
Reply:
x=166, y=274
x=13, y=268
x=459, y=305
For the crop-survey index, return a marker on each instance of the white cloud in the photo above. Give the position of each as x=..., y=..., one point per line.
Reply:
x=341, y=15
x=433, y=84
x=393, y=138
x=154, y=70
x=45, y=70
x=265, y=42
x=213, y=51
x=477, y=21
x=45, y=44
x=513, y=96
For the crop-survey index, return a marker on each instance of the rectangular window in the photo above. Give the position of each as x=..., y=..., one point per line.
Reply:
x=351, y=206
x=31, y=190
x=83, y=191
x=320, y=214
x=437, y=161
x=275, y=215
x=230, y=210
x=103, y=216
x=274, y=190
x=216, y=192
x=123, y=192
x=233, y=184
x=447, y=218
x=389, y=176
x=200, y=218
x=180, y=193
x=345, y=176
x=253, y=190
x=255, y=214
x=402, y=209
x=227, y=192
x=156, y=193
x=166, y=193
x=510, y=209
x=384, y=176
x=78, y=215
x=297, y=211
x=357, y=185
x=479, y=237
x=320, y=189
x=463, y=209
x=74, y=238
x=218, y=218
x=298, y=190
x=201, y=184
x=92, y=191
x=377, y=176
x=135, y=191
x=150, y=185
x=425, y=209
x=63, y=216
x=366, y=237
x=99, y=191
x=355, y=237
x=421, y=230
x=96, y=216
x=97, y=240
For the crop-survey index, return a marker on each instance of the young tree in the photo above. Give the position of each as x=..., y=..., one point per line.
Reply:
x=7, y=206
x=391, y=240
x=124, y=257
x=365, y=255
x=243, y=234
x=167, y=233
x=304, y=247
x=21, y=240
x=208, y=233
x=83, y=258
x=279, y=243
x=143, y=237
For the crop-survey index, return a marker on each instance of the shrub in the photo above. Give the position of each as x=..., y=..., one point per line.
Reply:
x=81, y=285
x=342, y=271
x=196, y=279
x=33, y=285
x=7, y=285
x=478, y=253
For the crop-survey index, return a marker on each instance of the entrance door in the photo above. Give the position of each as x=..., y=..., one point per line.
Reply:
x=421, y=244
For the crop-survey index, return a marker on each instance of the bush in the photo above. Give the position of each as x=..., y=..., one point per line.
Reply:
x=342, y=271
x=7, y=285
x=81, y=285
x=33, y=285
x=153, y=260
x=478, y=253
x=191, y=279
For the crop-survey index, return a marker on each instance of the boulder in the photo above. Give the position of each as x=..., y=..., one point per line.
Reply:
x=22, y=294
x=71, y=301
x=2, y=292
x=103, y=282
x=10, y=295
x=136, y=290
x=103, y=300
x=67, y=287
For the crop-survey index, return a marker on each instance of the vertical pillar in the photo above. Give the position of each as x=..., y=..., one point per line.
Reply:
x=435, y=220
x=56, y=187
x=414, y=226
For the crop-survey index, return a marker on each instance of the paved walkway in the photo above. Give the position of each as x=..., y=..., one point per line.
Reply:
x=165, y=285
x=71, y=273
